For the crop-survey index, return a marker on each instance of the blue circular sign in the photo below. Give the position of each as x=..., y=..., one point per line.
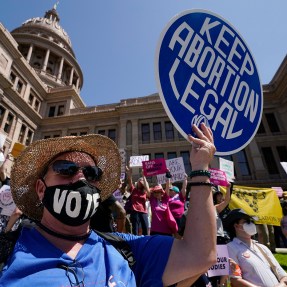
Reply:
x=206, y=73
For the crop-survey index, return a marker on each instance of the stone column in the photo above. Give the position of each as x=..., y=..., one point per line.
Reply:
x=30, y=53
x=17, y=124
x=77, y=84
x=260, y=171
x=122, y=133
x=135, y=137
x=60, y=69
x=46, y=60
x=71, y=76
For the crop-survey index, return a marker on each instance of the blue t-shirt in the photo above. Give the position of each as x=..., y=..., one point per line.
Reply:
x=36, y=262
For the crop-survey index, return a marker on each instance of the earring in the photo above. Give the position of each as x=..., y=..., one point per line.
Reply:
x=39, y=203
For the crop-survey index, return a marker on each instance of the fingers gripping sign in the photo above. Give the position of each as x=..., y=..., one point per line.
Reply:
x=203, y=147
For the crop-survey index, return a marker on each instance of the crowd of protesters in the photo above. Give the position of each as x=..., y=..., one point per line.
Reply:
x=143, y=208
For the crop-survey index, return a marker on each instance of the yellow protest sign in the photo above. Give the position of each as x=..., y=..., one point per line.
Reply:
x=255, y=201
x=17, y=148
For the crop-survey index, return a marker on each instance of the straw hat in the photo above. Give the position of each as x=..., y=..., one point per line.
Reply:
x=31, y=163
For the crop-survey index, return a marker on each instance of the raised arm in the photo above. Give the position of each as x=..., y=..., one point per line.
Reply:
x=17, y=213
x=220, y=206
x=129, y=177
x=168, y=182
x=120, y=215
x=199, y=241
x=184, y=185
x=146, y=185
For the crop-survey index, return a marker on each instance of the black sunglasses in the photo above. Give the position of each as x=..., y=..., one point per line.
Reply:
x=70, y=168
x=75, y=273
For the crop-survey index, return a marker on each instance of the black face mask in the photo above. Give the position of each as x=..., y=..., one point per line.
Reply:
x=72, y=204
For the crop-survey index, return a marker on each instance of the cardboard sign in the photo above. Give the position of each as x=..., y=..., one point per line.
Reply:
x=176, y=168
x=17, y=148
x=228, y=167
x=123, y=159
x=119, y=197
x=7, y=204
x=2, y=140
x=2, y=158
x=218, y=177
x=221, y=267
x=154, y=167
x=206, y=73
x=136, y=161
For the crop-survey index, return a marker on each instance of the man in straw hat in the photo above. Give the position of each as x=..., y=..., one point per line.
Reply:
x=59, y=182
x=254, y=264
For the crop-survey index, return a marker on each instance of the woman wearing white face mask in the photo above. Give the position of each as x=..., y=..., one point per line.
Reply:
x=254, y=264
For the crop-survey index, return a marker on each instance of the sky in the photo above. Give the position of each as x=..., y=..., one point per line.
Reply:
x=115, y=41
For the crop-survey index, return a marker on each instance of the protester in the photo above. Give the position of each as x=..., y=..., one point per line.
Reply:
x=265, y=235
x=177, y=199
x=5, y=170
x=283, y=222
x=10, y=215
x=139, y=194
x=122, y=195
x=255, y=263
x=10, y=223
x=220, y=203
x=57, y=182
x=160, y=215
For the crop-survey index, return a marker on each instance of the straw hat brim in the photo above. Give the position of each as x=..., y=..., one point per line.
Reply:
x=31, y=163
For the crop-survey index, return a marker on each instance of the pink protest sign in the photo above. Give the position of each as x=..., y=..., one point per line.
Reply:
x=154, y=167
x=218, y=177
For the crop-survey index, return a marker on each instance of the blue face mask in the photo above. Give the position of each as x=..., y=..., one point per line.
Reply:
x=72, y=204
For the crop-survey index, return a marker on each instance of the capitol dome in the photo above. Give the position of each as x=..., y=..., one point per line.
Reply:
x=48, y=49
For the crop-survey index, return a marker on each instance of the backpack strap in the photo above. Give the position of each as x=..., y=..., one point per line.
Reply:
x=120, y=244
x=9, y=239
x=7, y=243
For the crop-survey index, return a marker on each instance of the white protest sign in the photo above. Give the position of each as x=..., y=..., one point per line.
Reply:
x=2, y=140
x=7, y=204
x=136, y=161
x=284, y=165
x=118, y=195
x=2, y=158
x=221, y=267
x=176, y=168
x=123, y=159
x=228, y=167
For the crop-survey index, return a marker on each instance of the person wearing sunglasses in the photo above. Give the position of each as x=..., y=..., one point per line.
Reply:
x=59, y=183
x=255, y=264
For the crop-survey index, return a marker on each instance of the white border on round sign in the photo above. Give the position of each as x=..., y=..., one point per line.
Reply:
x=158, y=84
